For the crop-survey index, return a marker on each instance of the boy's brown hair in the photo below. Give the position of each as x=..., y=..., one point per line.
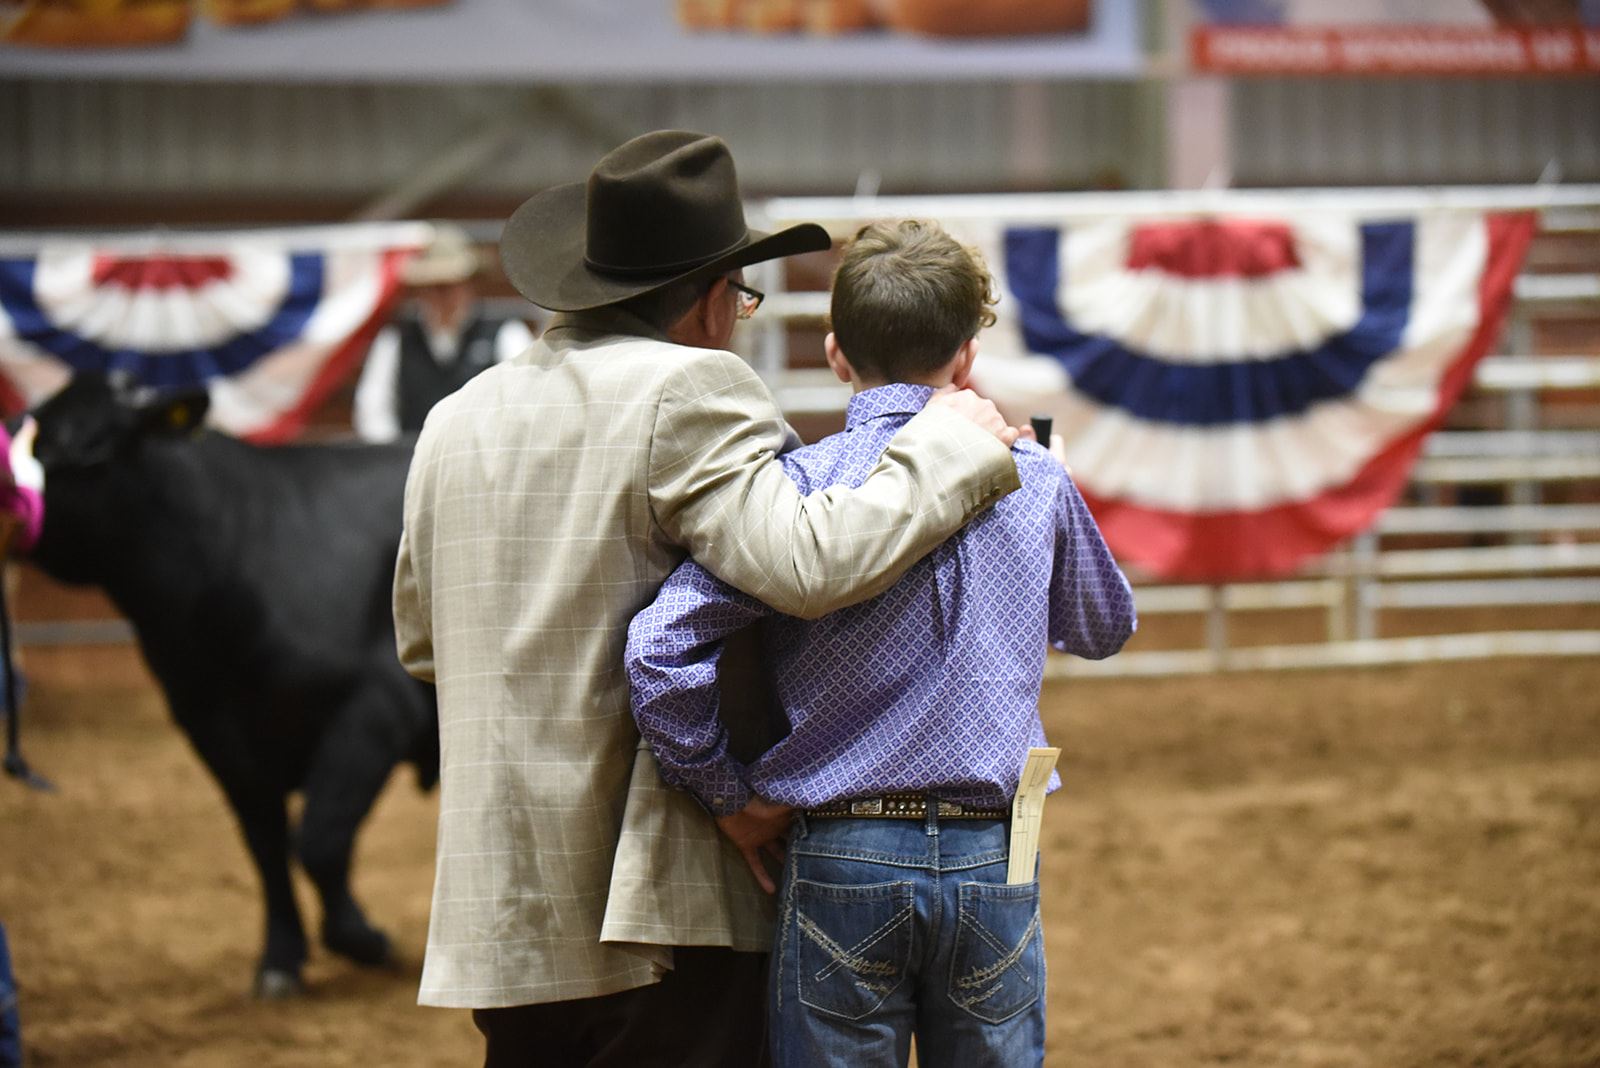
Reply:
x=906, y=296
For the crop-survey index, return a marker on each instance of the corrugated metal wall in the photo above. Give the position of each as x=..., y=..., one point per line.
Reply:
x=142, y=138
x=60, y=138
x=1413, y=131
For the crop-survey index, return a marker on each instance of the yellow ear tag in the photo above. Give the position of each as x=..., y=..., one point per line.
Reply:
x=178, y=415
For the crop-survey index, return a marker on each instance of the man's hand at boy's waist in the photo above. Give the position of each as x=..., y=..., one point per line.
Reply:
x=980, y=410
x=760, y=825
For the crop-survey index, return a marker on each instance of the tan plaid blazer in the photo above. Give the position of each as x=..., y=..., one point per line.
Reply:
x=547, y=501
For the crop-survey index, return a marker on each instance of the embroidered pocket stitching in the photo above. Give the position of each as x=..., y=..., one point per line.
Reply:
x=987, y=936
x=852, y=957
x=983, y=975
x=784, y=947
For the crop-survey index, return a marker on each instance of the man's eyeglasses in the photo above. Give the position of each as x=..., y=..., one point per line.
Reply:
x=749, y=299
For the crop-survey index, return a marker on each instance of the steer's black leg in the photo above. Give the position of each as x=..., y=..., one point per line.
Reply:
x=258, y=804
x=351, y=764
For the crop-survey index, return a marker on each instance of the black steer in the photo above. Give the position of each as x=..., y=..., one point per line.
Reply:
x=258, y=582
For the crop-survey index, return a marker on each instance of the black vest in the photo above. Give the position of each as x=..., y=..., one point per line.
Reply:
x=424, y=380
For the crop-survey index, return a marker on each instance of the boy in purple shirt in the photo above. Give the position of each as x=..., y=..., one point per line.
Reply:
x=910, y=715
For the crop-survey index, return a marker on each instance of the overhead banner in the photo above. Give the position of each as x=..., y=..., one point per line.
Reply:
x=268, y=323
x=1390, y=37
x=534, y=41
x=124, y=23
x=1239, y=393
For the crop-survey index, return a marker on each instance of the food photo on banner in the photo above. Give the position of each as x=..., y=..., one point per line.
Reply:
x=945, y=18
x=628, y=41
x=126, y=23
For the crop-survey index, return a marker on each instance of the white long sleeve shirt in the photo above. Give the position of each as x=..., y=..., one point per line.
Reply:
x=376, y=409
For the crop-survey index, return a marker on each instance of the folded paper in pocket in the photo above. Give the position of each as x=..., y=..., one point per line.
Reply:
x=1027, y=811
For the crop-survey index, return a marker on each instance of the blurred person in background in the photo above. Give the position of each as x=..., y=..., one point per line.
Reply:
x=436, y=346
x=21, y=521
x=21, y=517
x=585, y=912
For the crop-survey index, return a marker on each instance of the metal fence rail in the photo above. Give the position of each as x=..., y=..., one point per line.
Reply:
x=1364, y=653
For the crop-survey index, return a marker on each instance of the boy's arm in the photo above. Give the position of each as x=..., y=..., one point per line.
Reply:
x=717, y=490
x=1091, y=603
x=673, y=649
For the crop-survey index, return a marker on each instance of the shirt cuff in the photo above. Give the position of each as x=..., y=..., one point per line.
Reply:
x=719, y=788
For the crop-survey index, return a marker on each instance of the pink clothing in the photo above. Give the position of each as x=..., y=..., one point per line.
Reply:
x=24, y=503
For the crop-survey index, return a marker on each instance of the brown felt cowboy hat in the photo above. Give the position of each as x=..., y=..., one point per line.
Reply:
x=662, y=207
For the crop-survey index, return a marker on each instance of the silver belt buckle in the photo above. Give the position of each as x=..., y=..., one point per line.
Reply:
x=872, y=806
x=949, y=808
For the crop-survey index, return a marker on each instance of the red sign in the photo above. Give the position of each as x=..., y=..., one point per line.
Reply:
x=1392, y=49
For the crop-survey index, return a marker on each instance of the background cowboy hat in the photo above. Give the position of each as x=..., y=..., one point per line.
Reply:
x=449, y=257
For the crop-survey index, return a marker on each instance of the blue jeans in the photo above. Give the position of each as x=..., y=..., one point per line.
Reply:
x=889, y=927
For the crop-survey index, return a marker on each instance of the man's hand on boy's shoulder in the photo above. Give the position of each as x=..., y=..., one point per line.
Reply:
x=975, y=409
x=760, y=825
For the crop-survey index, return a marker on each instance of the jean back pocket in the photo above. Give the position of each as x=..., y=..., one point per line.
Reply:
x=997, y=968
x=852, y=944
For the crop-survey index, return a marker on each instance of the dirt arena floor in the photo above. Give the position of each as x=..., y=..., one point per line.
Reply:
x=1387, y=867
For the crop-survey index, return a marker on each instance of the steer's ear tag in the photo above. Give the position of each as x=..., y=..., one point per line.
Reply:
x=177, y=414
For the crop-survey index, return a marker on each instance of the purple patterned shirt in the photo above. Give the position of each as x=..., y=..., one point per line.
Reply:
x=931, y=686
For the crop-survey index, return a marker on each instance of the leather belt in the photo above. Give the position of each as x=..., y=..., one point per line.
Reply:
x=903, y=807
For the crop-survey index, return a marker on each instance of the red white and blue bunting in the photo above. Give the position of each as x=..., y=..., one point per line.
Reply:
x=1238, y=395
x=269, y=322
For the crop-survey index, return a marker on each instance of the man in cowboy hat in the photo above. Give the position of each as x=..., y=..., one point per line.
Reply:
x=431, y=352
x=587, y=913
